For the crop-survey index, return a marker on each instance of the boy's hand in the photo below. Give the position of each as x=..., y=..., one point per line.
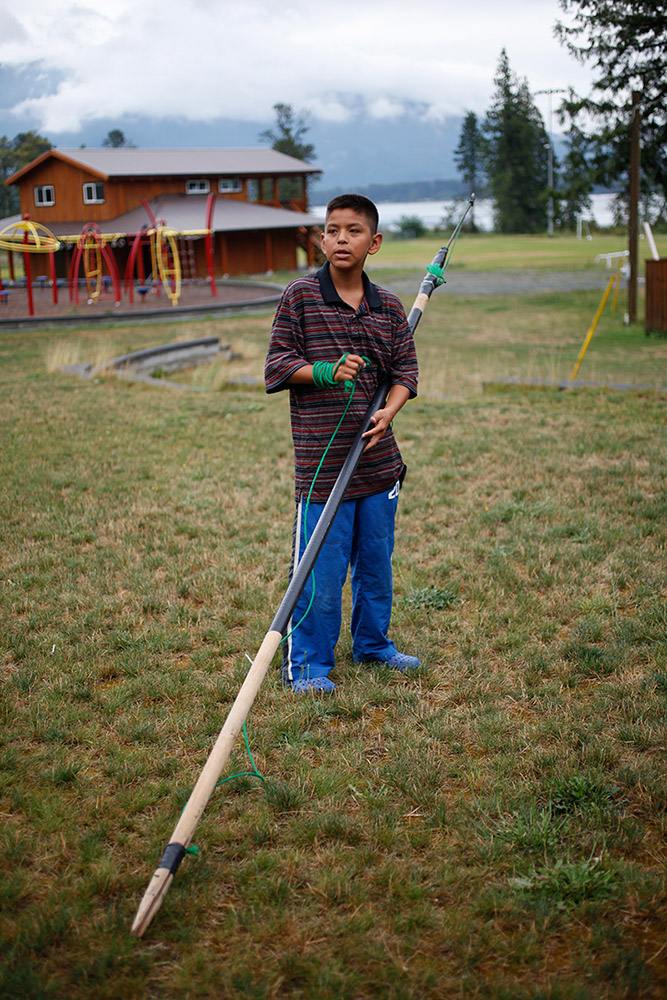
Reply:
x=349, y=368
x=380, y=421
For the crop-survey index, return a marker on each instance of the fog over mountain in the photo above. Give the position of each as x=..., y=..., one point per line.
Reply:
x=353, y=153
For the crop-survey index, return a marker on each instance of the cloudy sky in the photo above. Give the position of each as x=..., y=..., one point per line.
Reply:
x=65, y=65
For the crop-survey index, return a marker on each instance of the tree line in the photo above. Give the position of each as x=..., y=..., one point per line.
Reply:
x=506, y=154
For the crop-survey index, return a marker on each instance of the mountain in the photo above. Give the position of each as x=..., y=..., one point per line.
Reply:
x=365, y=151
x=352, y=154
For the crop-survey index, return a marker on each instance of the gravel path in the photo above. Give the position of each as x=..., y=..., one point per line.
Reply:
x=509, y=282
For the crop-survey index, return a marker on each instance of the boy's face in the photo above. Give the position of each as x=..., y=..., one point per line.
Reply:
x=347, y=239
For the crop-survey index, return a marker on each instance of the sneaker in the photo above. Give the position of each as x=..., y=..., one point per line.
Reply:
x=313, y=685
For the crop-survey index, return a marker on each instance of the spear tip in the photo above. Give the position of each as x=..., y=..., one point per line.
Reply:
x=150, y=904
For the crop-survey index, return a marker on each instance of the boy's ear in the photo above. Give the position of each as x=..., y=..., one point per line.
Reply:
x=376, y=243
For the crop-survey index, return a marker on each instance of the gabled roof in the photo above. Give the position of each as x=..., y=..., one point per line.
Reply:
x=188, y=212
x=128, y=162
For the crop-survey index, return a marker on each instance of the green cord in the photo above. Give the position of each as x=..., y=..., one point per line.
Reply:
x=193, y=849
x=244, y=774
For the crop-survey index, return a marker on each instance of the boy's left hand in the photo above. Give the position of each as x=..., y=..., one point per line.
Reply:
x=380, y=421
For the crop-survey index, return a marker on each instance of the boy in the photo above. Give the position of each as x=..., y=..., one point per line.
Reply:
x=360, y=333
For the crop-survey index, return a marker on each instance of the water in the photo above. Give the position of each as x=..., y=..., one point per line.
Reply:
x=432, y=213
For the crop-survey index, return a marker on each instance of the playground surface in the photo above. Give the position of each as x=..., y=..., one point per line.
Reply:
x=194, y=297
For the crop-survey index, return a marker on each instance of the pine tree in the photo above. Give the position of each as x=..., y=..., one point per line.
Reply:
x=626, y=43
x=288, y=137
x=468, y=157
x=576, y=181
x=115, y=139
x=515, y=155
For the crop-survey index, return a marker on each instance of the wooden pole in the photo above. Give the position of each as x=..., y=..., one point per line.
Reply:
x=184, y=830
x=633, y=216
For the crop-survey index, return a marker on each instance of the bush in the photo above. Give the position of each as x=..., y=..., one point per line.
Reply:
x=410, y=227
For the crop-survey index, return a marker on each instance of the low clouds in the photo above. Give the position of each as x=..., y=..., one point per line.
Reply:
x=202, y=60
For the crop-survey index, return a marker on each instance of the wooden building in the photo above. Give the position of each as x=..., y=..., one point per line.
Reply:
x=254, y=199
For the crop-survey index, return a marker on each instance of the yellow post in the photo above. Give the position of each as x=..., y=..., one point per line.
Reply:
x=590, y=333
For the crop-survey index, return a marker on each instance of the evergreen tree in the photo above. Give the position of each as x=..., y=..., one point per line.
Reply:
x=515, y=155
x=626, y=43
x=115, y=139
x=576, y=181
x=468, y=157
x=14, y=154
x=288, y=137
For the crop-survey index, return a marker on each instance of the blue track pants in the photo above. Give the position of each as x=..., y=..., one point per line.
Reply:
x=361, y=537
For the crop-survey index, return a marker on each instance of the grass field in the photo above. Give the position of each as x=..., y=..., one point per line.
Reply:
x=490, y=251
x=493, y=827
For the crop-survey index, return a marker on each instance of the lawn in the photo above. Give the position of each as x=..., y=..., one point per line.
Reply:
x=491, y=251
x=492, y=827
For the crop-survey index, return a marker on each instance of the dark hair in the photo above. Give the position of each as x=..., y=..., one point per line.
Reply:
x=359, y=204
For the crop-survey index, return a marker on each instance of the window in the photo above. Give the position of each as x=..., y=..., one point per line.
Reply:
x=253, y=190
x=197, y=187
x=93, y=194
x=229, y=185
x=45, y=195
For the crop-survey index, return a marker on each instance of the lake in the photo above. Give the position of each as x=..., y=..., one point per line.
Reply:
x=432, y=213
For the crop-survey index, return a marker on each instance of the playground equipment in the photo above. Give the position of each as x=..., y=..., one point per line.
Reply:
x=91, y=251
x=619, y=257
x=166, y=260
x=29, y=237
x=94, y=262
x=166, y=268
x=581, y=225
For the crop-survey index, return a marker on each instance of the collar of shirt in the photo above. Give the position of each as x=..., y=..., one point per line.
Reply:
x=331, y=296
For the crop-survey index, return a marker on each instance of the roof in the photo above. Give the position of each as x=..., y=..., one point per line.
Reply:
x=10, y=220
x=129, y=162
x=188, y=212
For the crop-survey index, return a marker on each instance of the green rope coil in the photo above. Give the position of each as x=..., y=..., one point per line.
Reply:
x=324, y=373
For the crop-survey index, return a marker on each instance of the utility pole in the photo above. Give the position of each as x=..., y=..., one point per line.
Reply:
x=633, y=214
x=550, y=152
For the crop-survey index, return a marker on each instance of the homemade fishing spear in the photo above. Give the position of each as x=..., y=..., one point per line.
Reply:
x=177, y=847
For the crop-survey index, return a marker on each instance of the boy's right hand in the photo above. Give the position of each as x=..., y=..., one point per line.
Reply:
x=349, y=368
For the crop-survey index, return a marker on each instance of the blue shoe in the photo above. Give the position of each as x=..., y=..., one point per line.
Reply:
x=313, y=685
x=402, y=662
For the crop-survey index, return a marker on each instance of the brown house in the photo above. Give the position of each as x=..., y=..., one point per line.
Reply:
x=253, y=200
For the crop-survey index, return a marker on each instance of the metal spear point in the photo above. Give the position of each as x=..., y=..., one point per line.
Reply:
x=184, y=830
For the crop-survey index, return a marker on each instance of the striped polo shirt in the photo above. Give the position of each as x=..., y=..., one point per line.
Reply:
x=313, y=323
